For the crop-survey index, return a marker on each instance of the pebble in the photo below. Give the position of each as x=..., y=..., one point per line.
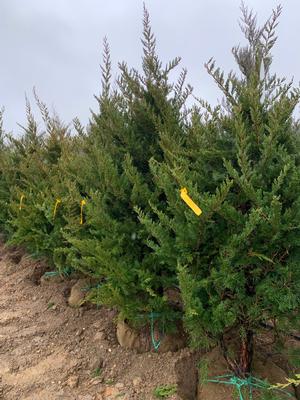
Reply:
x=111, y=392
x=119, y=385
x=99, y=336
x=96, y=381
x=137, y=381
x=73, y=381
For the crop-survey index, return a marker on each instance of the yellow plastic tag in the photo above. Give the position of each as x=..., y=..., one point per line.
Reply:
x=186, y=198
x=21, y=201
x=58, y=201
x=82, y=203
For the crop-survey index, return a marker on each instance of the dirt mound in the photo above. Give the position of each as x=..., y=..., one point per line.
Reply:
x=51, y=351
x=141, y=341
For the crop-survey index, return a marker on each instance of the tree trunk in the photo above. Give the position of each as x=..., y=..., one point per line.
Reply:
x=241, y=365
x=246, y=354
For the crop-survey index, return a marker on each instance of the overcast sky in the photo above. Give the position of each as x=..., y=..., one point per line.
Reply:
x=56, y=45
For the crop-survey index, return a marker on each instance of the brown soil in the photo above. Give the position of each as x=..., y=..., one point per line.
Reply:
x=263, y=367
x=51, y=351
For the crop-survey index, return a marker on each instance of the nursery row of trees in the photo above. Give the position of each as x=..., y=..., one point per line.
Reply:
x=106, y=200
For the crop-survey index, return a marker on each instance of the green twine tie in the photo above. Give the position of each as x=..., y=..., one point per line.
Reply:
x=251, y=382
x=154, y=316
x=65, y=272
x=156, y=343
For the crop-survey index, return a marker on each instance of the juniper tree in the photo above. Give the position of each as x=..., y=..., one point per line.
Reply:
x=238, y=262
x=35, y=220
x=124, y=134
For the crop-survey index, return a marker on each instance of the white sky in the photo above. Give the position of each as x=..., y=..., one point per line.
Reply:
x=56, y=45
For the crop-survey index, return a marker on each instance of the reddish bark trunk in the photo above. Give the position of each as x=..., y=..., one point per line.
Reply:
x=246, y=354
x=241, y=365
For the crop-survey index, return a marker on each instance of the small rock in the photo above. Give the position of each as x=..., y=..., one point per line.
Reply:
x=119, y=385
x=111, y=392
x=73, y=381
x=80, y=313
x=96, y=363
x=96, y=381
x=85, y=397
x=99, y=336
x=137, y=381
x=77, y=294
x=98, y=325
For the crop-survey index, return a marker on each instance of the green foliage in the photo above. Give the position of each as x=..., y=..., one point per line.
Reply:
x=203, y=367
x=271, y=396
x=32, y=173
x=238, y=261
x=113, y=172
x=96, y=372
x=50, y=305
x=236, y=266
x=164, y=391
x=294, y=357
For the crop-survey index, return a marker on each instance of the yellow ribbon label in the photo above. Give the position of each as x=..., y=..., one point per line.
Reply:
x=186, y=198
x=21, y=201
x=82, y=203
x=57, y=203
